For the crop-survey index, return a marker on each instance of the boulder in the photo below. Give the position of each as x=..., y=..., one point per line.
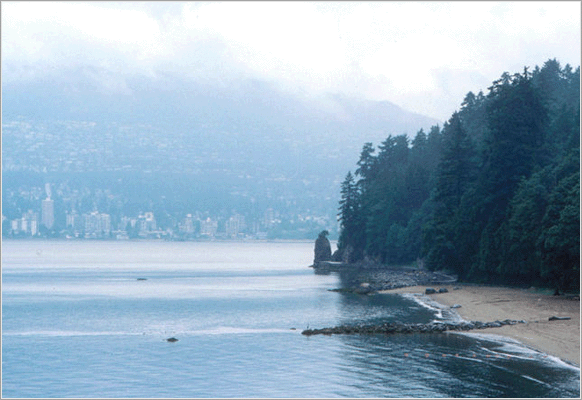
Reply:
x=443, y=290
x=554, y=318
x=430, y=291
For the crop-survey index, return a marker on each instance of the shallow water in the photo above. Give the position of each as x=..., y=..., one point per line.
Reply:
x=77, y=322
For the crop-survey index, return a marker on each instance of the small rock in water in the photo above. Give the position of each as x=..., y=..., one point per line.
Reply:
x=456, y=306
x=142, y=279
x=554, y=318
x=172, y=340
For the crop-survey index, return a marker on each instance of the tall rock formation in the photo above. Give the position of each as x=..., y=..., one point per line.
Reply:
x=322, y=248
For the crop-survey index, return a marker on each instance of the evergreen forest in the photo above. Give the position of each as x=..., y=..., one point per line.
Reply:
x=493, y=196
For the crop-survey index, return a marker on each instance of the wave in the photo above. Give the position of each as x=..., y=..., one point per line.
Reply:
x=518, y=350
x=443, y=313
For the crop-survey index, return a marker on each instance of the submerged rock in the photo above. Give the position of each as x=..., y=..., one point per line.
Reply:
x=171, y=340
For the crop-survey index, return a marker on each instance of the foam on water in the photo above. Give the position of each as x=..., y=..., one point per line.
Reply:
x=518, y=350
x=505, y=344
x=442, y=312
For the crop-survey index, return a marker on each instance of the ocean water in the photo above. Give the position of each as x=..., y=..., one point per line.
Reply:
x=91, y=319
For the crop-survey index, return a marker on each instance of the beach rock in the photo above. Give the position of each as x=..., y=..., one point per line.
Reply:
x=322, y=248
x=443, y=290
x=430, y=291
x=171, y=340
x=554, y=318
x=456, y=306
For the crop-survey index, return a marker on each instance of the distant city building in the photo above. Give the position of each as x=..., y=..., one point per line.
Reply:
x=126, y=223
x=48, y=212
x=147, y=222
x=96, y=224
x=235, y=225
x=75, y=222
x=208, y=227
x=187, y=226
x=27, y=225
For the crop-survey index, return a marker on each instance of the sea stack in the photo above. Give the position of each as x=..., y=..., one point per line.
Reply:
x=322, y=248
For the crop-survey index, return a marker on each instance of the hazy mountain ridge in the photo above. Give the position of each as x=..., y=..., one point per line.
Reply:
x=189, y=127
x=93, y=94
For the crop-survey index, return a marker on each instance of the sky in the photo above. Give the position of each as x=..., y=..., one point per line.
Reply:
x=422, y=56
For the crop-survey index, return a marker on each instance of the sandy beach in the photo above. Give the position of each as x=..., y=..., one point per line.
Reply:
x=559, y=338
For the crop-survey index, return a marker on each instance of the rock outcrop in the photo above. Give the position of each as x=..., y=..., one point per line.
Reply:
x=322, y=249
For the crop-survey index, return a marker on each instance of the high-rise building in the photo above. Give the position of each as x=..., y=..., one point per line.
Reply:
x=48, y=213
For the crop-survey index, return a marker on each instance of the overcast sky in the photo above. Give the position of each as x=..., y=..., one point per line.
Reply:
x=423, y=56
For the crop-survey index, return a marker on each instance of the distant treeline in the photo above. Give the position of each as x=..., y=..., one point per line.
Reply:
x=493, y=196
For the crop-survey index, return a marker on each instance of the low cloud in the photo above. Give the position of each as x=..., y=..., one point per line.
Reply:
x=423, y=56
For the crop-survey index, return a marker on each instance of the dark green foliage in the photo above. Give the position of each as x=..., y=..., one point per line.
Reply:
x=494, y=196
x=350, y=217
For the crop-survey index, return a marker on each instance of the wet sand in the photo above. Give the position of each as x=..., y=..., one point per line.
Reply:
x=559, y=338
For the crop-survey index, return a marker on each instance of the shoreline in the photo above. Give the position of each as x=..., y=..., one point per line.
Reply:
x=559, y=338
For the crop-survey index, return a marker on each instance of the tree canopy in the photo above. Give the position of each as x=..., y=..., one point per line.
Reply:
x=493, y=196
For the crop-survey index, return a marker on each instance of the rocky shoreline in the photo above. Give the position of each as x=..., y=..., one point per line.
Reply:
x=368, y=278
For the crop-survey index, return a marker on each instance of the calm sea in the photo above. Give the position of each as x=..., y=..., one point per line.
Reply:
x=91, y=319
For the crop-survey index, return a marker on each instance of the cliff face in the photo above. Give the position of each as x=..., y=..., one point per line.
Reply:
x=322, y=249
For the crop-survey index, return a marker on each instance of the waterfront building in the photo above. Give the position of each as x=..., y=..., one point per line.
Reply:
x=97, y=225
x=147, y=222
